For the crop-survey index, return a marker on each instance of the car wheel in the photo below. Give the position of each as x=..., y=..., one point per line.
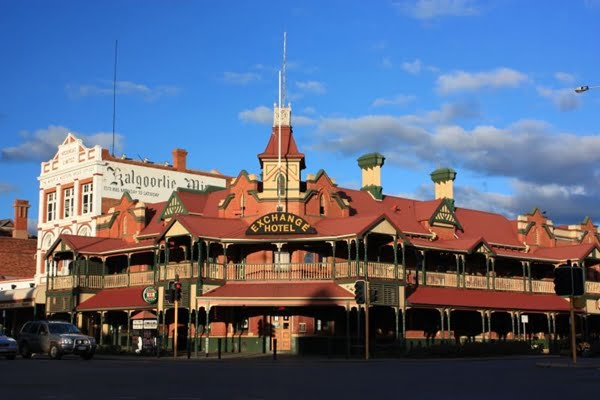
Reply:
x=54, y=352
x=25, y=352
x=87, y=356
x=11, y=357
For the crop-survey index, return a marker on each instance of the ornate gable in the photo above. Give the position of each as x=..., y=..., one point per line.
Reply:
x=174, y=206
x=444, y=215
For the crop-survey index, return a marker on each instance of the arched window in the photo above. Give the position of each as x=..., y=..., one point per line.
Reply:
x=281, y=185
x=48, y=240
x=84, y=231
x=322, y=205
x=242, y=205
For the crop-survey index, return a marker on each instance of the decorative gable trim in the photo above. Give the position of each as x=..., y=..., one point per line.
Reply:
x=444, y=215
x=483, y=248
x=109, y=223
x=527, y=228
x=174, y=206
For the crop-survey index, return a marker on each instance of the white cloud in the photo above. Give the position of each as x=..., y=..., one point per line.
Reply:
x=240, y=78
x=6, y=188
x=386, y=63
x=412, y=67
x=429, y=9
x=309, y=110
x=259, y=115
x=563, y=99
x=311, y=86
x=42, y=144
x=299, y=120
x=122, y=88
x=464, y=81
x=564, y=77
x=397, y=100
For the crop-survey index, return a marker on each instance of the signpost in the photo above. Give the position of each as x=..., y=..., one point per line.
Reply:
x=569, y=282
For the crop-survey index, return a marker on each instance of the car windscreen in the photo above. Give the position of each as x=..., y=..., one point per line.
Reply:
x=63, y=328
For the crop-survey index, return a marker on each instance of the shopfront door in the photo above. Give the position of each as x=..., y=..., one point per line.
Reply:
x=283, y=332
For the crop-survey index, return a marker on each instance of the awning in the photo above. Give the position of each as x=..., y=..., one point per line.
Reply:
x=486, y=299
x=144, y=315
x=17, y=298
x=277, y=294
x=116, y=299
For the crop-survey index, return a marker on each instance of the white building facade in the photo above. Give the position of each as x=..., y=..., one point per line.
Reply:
x=80, y=183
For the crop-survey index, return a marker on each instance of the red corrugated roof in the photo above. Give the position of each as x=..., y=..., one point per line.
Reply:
x=304, y=290
x=464, y=244
x=116, y=299
x=99, y=245
x=494, y=228
x=288, y=146
x=155, y=225
x=563, y=253
x=487, y=299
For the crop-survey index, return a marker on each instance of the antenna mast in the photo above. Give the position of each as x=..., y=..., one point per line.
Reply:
x=114, y=98
x=283, y=74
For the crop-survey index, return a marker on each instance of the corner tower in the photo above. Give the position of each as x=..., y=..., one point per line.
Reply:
x=281, y=162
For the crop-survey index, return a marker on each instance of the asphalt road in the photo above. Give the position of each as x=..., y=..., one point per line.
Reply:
x=291, y=378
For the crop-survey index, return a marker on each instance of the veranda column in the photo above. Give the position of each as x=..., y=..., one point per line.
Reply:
x=404, y=323
x=348, y=344
x=457, y=259
x=424, y=263
x=493, y=265
x=396, y=274
x=464, y=270
x=333, y=272
x=528, y=265
x=482, y=313
x=207, y=329
x=196, y=321
x=512, y=323
x=489, y=318
x=487, y=272
x=548, y=317
x=442, y=333
x=403, y=265
x=397, y=321
x=518, y=315
x=101, y=338
x=129, y=329
x=366, y=262
x=128, y=269
x=524, y=268
x=449, y=314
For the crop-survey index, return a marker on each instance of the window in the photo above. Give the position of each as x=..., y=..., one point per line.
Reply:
x=280, y=185
x=68, y=210
x=322, y=205
x=86, y=198
x=302, y=327
x=51, y=206
x=282, y=260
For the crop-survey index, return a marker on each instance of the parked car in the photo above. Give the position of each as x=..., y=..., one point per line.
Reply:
x=8, y=347
x=55, y=338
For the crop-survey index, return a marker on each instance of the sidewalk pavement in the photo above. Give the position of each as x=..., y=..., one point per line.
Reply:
x=564, y=362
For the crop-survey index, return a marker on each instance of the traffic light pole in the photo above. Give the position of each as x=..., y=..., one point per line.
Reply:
x=573, y=341
x=367, y=295
x=175, y=331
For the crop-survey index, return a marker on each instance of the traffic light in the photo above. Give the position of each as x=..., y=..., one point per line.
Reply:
x=178, y=291
x=170, y=292
x=568, y=280
x=359, y=292
x=578, y=283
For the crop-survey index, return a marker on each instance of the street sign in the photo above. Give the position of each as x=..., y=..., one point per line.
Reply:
x=524, y=318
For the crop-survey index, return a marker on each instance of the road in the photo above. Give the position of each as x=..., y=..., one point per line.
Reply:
x=292, y=378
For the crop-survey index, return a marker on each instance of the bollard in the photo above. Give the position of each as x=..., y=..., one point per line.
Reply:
x=274, y=349
x=219, y=348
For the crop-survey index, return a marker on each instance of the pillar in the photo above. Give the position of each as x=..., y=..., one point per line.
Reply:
x=207, y=330
x=348, y=344
x=442, y=333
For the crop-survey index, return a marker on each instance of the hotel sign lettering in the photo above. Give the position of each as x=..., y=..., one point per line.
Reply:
x=278, y=223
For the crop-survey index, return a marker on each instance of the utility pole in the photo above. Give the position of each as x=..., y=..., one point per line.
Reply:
x=367, y=299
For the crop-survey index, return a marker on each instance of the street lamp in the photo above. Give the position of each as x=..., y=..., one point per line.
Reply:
x=581, y=89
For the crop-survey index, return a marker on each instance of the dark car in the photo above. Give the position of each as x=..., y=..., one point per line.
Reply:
x=8, y=347
x=54, y=338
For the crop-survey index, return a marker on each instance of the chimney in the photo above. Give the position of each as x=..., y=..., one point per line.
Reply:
x=443, y=180
x=20, y=229
x=179, y=159
x=371, y=164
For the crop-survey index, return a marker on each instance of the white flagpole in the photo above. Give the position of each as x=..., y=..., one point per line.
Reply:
x=279, y=148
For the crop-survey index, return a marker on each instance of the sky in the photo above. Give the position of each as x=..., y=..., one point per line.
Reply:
x=483, y=87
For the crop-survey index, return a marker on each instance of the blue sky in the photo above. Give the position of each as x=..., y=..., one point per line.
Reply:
x=485, y=87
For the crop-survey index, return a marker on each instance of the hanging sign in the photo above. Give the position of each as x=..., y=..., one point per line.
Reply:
x=150, y=295
x=278, y=223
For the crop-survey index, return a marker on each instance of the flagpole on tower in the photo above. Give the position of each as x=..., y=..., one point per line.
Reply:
x=279, y=149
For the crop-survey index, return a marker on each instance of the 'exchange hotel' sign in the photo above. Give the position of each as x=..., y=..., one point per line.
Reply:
x=279, y=222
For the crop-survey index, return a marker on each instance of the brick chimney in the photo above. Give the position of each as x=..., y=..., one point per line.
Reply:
x=20, y=229
x=179, y=159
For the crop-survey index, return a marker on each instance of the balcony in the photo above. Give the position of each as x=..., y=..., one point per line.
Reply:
x=304, y=271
